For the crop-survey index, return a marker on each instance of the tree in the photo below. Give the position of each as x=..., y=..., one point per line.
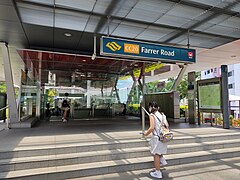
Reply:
x=2, y=87
x=182, y=87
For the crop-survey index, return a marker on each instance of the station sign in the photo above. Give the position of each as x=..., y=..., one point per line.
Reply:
x=146, y=51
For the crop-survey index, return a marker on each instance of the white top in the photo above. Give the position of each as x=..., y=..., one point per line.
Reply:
x=157, y=146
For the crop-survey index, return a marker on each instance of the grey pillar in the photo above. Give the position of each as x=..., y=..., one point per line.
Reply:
x=179, y=78
x=143, y=98
x=191, y=98
x=88, y=94
x=225, y=99
x=13, y=113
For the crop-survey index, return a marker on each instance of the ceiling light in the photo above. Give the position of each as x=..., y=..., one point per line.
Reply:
x=84, y=60
x=67, y=34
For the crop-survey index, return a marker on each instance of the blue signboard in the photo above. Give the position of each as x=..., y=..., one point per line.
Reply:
x=135, y=49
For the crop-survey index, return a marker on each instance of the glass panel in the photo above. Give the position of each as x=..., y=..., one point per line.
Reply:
x=28, y=101
x=86, y=5
x=49, y=2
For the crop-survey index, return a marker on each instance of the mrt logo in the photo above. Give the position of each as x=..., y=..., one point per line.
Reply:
x=113, y=46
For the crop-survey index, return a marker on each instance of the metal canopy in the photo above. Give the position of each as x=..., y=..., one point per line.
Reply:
x=165, y=21
x=43, y=24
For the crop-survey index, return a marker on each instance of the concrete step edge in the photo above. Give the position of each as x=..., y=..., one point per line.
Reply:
x=177, y=140
x=78, y=142
x=86, y=169
x=144, y=173
x=207, y=146
x=172, y=148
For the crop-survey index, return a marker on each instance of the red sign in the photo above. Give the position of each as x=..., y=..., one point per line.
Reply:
x=190, y=55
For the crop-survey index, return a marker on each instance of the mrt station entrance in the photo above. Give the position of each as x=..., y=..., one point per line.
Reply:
x=91, y=82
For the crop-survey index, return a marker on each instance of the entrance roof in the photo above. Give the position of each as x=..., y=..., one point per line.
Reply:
x=65, y=66
x=69, y=26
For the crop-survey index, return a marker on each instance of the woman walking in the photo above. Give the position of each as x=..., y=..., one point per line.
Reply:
x=158, y=147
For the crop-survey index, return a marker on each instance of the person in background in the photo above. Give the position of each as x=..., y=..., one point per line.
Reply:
x=158, y=148
x=65, y=107
x=48, y=112
x=124, y=109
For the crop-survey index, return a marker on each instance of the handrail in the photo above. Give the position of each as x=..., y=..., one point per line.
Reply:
x=4, y=108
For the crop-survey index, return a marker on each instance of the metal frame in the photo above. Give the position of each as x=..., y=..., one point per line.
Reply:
x=217, y=11
x=179, y=77
x=13, y=112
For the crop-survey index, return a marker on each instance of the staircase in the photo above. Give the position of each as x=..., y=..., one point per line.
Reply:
x=79, y=158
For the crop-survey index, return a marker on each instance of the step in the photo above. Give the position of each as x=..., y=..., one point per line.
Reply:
x=71, y=148
x=75, y=146
x=73, y=158
x=97, y=156
x=205, y=138
x=105, y=167
x=213, y=169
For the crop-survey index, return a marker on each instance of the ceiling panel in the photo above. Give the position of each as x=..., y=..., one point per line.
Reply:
x=221, y=30
x=233, y=22
x=186, y=12
x=131, y=30
x=167, y=36
x=101, y=6
x=215, y=42
x=124, y=8
x=63, y=42
x=236, y=8
x=45, y=37
x=153, y=33
x=86, y=43
x=70, y=20
x=149, y=11
x=219, y=19
x=32, y=14
x=214, y=3
x=112, y=26
x=49, y=2
x=148, y=16
x=86, y=5
x=194, y=39
x=92, y=23
x=203, y=26
x=154, y=6
x=172, y=20
x=236, y=33
x=211, y=22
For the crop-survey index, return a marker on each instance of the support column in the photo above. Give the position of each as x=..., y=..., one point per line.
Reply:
x=225, y=99
x=178, y=79
x=191, y=98
x=13, y=113
x=143, y=98
x=38, y=98
x=88, y=94
x=115, y=88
